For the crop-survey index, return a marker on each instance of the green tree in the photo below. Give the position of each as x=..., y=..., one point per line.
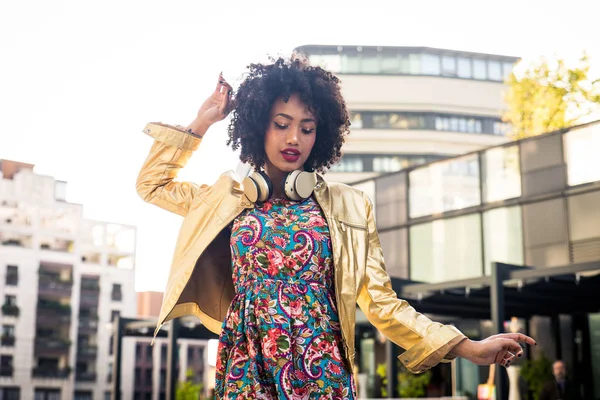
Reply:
x=536, y=373
x=188, y=390
x=548, y=95
x=409, y=384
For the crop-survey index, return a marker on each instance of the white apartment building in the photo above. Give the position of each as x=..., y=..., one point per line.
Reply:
x=62, y=280
x=412, y=105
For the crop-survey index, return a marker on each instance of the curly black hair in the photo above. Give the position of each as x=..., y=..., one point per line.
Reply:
x=265, y=83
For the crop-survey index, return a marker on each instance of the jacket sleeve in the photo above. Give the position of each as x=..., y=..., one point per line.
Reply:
x=156, y=182
x=426, y=342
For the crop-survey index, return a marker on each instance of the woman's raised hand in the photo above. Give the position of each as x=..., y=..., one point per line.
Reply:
x=215, y=108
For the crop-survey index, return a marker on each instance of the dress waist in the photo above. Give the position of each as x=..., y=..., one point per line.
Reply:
x=284, y=281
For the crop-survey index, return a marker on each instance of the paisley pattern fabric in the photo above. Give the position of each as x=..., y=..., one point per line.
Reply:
x=281, y=338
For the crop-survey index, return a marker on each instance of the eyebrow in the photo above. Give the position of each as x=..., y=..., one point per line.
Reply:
x=292, y=118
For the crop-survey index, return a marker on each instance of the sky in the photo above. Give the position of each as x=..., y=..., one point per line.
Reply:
x=80, y=79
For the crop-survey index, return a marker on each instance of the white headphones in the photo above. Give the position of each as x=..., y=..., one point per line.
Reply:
x=297, y=185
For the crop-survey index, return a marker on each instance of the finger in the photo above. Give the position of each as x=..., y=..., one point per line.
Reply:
x=220, y=82
x=519, y=337
x=511, y=346
x=226, y=102
x=500, y=357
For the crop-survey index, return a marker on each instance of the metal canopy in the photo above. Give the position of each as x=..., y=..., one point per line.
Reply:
x=527, y=292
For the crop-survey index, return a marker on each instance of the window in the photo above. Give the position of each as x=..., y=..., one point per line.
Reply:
x=10, y=300
x=447, y=249
x=10, y=393
x=507, y=68
x=349, y=163
x=430, y=64
x=12, y=275
x=581, y=148
x=148, y=376
x=114, y=314
x=350, y=64
x=369, y=64
x=390, y=64
x=501, y=128
x=448, y=66
x=394, y=245
x=116, y=294
x=390, y=200
x=8, y=335
x=47, y=394
x=503, y=237
x=502, y=174
x=464, y=68
x=545, y=233
x=163, y=352
x=81, y=395
x=444, y=186
x=138, y=376
x=163, y=378
x=6, y=366
x=495, y=70
x=584, y=214
x=479, y=69
x=356, y=121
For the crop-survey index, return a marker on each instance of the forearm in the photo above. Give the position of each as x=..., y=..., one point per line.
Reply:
x=197, y=127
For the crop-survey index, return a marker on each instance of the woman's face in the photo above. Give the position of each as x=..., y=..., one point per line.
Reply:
x=290, y=135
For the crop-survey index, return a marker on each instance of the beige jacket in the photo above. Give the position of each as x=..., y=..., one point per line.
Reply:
x=200, y=279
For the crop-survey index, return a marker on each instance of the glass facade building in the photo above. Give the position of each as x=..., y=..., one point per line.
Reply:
x=534, y=202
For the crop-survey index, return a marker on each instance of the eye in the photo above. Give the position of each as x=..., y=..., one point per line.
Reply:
x=308, y=131
x=279, y=126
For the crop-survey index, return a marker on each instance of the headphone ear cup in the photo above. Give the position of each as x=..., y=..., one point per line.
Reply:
x=305, y=184
x=289, y=186
x=258, y=187
x=299, y=185
x=266, y=186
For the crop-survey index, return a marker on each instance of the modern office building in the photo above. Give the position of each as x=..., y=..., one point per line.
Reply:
x=412, y=105
x=62, y=281
x=535, y=203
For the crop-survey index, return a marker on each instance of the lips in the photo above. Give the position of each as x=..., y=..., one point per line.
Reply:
x=290, y=155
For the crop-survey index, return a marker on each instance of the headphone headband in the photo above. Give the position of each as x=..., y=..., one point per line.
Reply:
x=297, y=185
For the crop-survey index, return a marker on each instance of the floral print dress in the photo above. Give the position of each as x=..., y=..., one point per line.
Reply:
x=281, y=337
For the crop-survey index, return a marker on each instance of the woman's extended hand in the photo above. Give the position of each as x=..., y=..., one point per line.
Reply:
x=215, y=108
x=500, y=349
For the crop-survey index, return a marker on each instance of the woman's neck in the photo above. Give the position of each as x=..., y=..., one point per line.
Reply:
x=276, y=176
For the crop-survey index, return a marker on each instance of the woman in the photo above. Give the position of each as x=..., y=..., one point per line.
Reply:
x=276, y=265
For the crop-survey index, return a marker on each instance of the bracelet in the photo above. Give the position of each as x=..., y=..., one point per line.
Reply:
x=194, y=134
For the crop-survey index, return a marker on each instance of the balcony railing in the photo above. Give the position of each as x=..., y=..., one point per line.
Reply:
x=6, y=370
x=90, y=286
x=52, y=345
x=47, y=318
x=86, y=350
x=85, y=376
x=51, y=373
x=7, y=341
x=86, y=323
x=54, y=307
x=10, y=310
x=89, y=299
x=55, y=288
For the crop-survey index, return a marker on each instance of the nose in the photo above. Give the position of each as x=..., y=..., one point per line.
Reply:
x=292, y=136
